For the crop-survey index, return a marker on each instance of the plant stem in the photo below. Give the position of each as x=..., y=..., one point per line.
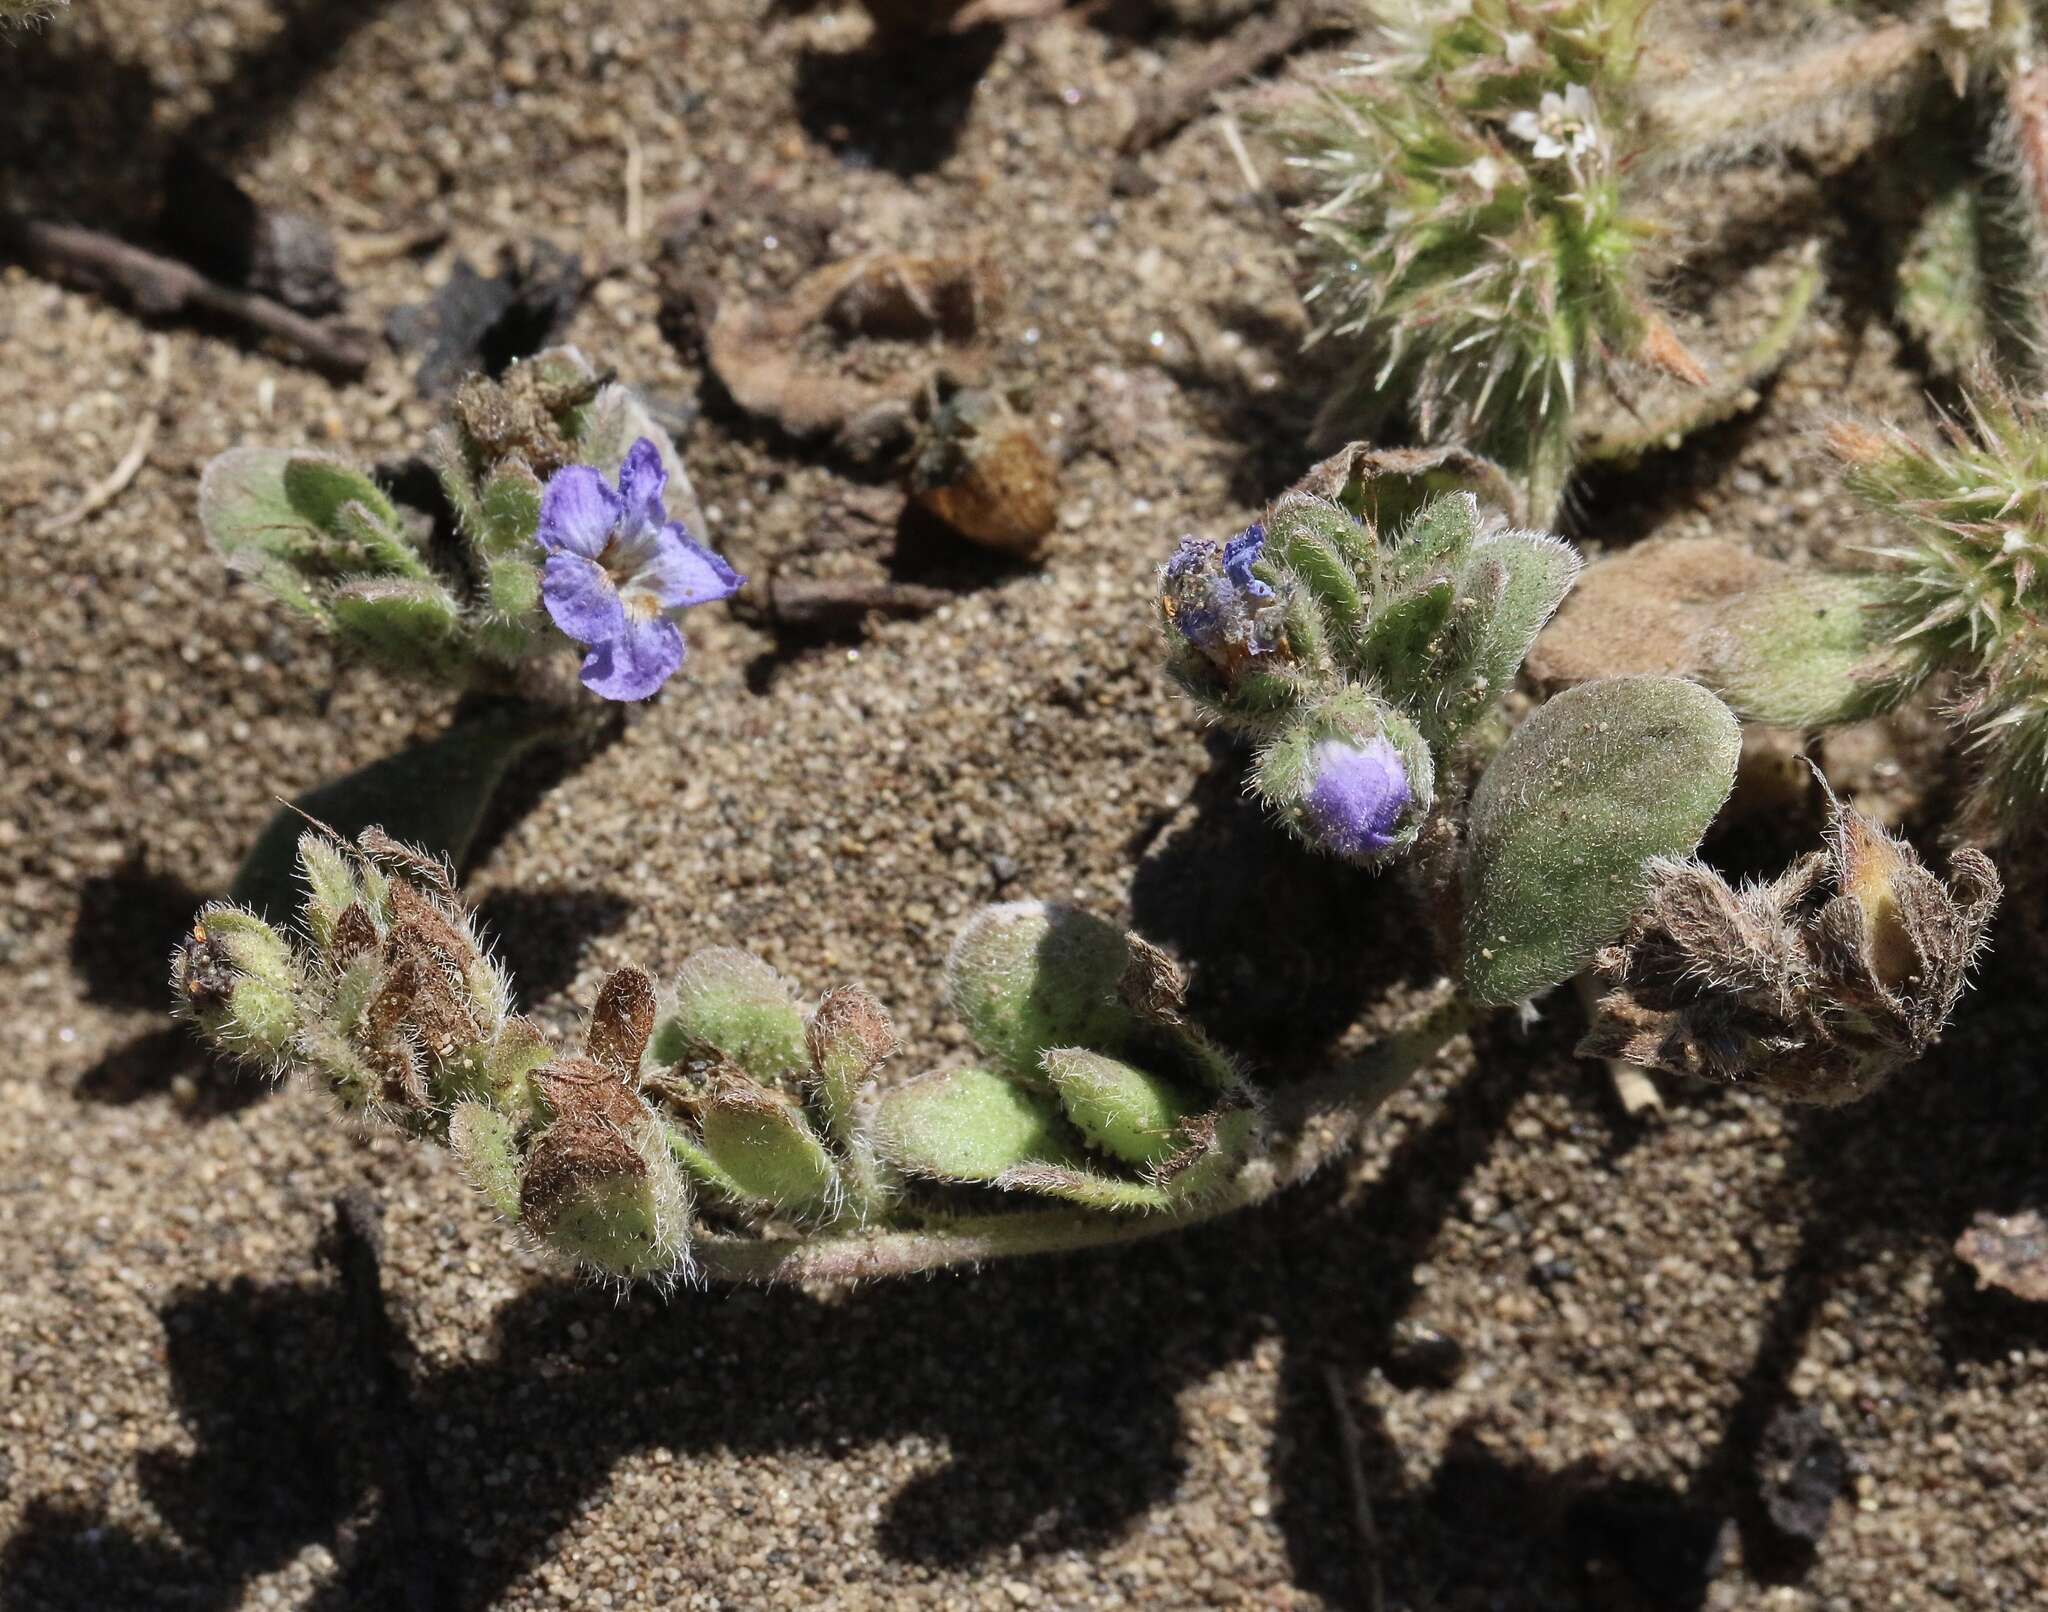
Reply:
x=1317, y=1122
x=1723, y=401
x=1751, y=103
x=2024, y=148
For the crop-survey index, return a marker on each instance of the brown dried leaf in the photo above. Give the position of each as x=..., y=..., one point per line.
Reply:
x=621, y=1022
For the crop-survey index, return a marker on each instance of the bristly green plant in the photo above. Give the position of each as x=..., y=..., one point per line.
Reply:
x=1470, y=232
x=1482, y=189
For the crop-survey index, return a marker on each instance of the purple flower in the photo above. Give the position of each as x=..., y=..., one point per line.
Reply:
x=1357, y=795
x=619, y=572
x=1216, y=603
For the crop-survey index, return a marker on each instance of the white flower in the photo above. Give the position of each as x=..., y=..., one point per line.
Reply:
x=1485, y=173
x=1522, y=52
x=1561, y=125
x=1968, y=16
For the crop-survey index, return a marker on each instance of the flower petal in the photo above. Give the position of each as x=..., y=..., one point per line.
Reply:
x=680, y=572
x=637, y=662
x=577, y=512
x=581, y=599
x=641, y=479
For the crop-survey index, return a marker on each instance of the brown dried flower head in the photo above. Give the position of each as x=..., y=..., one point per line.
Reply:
x=1814, y=987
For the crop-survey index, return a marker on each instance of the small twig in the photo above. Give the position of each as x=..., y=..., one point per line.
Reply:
x=160, y=285
x=1181, y=98
x=1233, y=138
x=104, y=492
x=812, y=602
x=1374, y=1590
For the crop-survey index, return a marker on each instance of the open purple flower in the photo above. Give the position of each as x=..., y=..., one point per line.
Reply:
x=1357, y=795
x=619, y=572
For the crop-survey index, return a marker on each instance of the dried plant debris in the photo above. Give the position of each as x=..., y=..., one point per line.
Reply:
x=980, y=467
x=1815, y=987
x=2009, y=1252
x=808, y=362
x=488, y=322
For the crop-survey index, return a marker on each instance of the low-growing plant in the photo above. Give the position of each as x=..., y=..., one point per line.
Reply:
x=721, y=1128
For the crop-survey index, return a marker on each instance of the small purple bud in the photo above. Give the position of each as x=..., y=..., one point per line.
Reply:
x=1358, y=795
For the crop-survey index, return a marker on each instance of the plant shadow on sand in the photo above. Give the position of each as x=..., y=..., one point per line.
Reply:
x=1053, y=1385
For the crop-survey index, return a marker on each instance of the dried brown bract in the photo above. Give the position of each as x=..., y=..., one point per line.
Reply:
x=1814, y=987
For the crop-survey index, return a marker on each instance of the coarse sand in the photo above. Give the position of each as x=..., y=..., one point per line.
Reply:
x=1584, y=1352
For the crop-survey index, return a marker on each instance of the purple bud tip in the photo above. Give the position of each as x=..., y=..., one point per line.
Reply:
x=1358, y=795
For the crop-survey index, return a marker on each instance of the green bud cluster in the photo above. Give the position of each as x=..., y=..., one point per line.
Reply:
x=1350, y=637
x=722, y=1100
x=1092, y=1087
x=328, y=541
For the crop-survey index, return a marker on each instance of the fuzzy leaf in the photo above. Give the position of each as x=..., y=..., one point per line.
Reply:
x=1027, y=976
x=1121, y=1109
x=411, y=627
x=1592, y=786
x=253, y=524
x=731, y=1003
x=967, y=1125
x=319, y=486
x=766, y=1151
x=1803, y=653
x=483, y=1144
x=1516, y=580
x=431, y=795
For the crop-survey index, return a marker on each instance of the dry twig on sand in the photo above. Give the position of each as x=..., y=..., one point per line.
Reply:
x=160, y=285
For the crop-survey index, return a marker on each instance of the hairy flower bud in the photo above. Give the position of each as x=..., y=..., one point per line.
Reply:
x=1815, y=987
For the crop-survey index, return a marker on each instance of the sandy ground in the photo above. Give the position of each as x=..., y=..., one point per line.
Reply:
x=1561, y=1332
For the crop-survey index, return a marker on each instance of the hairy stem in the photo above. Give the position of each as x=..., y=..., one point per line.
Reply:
x=1317, y=1122
x=2023, y=147
x=1751, y=103
x=1721, y=401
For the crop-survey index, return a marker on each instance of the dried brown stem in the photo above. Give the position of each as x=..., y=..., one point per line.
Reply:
x=159, y=286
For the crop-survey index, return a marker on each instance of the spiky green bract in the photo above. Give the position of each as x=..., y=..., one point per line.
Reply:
x=327, y=541
x=1564, y=825
x=1467, y=227
x=1965, y=536
x=1408, y=637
